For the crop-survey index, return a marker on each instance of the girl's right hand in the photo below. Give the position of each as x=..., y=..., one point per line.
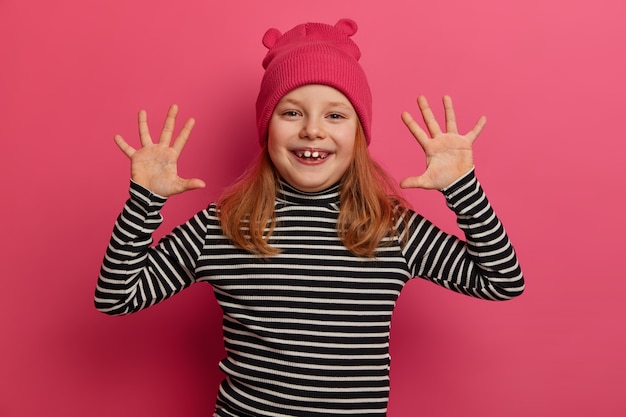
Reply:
x=154, y=165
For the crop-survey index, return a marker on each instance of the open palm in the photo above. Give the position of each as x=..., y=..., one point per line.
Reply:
x=154, y=165
x=448, y=154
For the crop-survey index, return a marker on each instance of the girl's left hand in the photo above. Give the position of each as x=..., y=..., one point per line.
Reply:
x=448, y=154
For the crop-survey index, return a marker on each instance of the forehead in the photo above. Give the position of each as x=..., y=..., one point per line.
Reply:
x=316, y=94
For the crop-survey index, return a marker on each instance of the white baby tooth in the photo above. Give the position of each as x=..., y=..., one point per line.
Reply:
x=307, y=154
x=315, y=154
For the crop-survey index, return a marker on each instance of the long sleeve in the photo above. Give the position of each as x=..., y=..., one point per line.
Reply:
x=290, y=321
x=134, y=275
x=484, y=266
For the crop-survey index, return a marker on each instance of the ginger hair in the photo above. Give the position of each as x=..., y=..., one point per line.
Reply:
x=370, y=206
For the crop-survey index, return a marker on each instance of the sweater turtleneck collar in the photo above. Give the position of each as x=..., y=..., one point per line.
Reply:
x=291, y=195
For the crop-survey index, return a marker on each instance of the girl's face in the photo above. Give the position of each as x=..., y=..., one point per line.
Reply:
x=311, y=137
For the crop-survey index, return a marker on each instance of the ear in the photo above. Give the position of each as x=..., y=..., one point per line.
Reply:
x=270, y=37
x=347, y=26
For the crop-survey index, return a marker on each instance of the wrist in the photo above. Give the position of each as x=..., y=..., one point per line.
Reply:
x=456, y=184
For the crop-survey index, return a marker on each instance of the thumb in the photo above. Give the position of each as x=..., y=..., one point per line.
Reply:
x=193, y=184
x=415, y=182
x=183, y=185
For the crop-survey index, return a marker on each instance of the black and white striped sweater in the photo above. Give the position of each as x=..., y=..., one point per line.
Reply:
x=307, y=331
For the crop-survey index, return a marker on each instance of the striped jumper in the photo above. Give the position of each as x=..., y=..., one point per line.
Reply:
x=307, y=331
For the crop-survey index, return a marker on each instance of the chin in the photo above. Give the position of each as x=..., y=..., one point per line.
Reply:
x=310, y=187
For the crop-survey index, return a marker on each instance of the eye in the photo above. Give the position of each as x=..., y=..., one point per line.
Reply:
x=336, y=116
x=290, y=113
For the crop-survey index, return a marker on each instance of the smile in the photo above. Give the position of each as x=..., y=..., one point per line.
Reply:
x=311, y=155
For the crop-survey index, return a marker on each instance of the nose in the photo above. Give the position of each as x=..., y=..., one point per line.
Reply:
x=312, y=129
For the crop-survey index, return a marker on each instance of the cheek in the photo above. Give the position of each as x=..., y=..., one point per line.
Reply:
x=276, y=137
x=272, y=142
x=271, y=133
x=276, y=154
x=271, y=151
x=347, y=144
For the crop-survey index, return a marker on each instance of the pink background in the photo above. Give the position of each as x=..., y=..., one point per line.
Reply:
x=549, y=76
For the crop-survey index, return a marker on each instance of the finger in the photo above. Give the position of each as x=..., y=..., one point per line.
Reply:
x=168, y=126
x=144, y=131
x=451, y=126
x=193, y=184
x=415, y=129
x=428, y=116
x=183, y=185
x=415, y=182
x=128, y=150
x=478, y=127
x=183, y=136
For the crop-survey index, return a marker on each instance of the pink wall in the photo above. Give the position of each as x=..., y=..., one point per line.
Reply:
x=549, y=76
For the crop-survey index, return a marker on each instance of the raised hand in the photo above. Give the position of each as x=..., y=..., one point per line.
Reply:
x=154, y=165
x=448, y=154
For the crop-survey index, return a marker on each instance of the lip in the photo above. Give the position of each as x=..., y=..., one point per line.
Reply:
x=311, y=156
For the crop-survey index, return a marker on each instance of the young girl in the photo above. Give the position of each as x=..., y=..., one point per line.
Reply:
x=308, y=252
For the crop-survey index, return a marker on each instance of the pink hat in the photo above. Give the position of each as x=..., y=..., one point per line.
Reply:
x=313, y=53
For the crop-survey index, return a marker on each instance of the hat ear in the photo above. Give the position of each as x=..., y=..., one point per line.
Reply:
x=270, y=37
x=347, y=26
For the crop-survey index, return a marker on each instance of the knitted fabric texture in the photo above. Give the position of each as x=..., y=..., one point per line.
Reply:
x=313, y=53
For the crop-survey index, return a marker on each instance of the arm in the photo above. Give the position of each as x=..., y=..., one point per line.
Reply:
x=484, y=266
x=133, y=275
